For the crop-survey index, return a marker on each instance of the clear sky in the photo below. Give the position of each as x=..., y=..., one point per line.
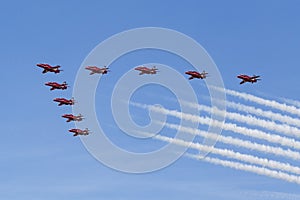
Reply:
x=39, y=159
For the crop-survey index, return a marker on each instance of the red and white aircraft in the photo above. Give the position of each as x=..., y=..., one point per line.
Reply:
x=71, y=117
x=55, y=85
x=146, y=70
x=63, y=101
x=250, y=79
x=97, y=70
x=49, y=68
x=195, y=74
x=78, y=131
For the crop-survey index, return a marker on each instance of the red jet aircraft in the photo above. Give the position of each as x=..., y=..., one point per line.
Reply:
x=250, y=79
x=71, y=117
x=63, y=101
x=77, y=131
x=97, y=70
x=195, y=74
x=49, y=68
x=146, y=70
x=55, y=85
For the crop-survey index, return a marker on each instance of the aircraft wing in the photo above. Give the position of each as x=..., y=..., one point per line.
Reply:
x=254, y=77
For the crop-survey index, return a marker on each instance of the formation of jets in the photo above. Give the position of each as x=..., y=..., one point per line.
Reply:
x=104, y=70
x=63, y=101
x=196, y=75
x=63, y=86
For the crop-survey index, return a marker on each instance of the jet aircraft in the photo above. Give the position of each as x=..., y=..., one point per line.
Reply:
x=78, y=131
x=146, y=70
x=97, y=70
x=246, y=78
x=71, y=117
x=55, y=85
x=49, y=68
x=195, y=74
x=63, y=101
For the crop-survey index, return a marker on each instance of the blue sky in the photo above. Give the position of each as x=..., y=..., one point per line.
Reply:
x=41, y=160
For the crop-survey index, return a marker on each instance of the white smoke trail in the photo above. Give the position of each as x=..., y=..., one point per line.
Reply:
x=237, y=142
x=251, y=168
x=250, y=120
x=226, y=126
x=234, y=155
x=242, y=157
x=260, y=112
x=268, y=103
x=268, y=114
x=291, y=101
